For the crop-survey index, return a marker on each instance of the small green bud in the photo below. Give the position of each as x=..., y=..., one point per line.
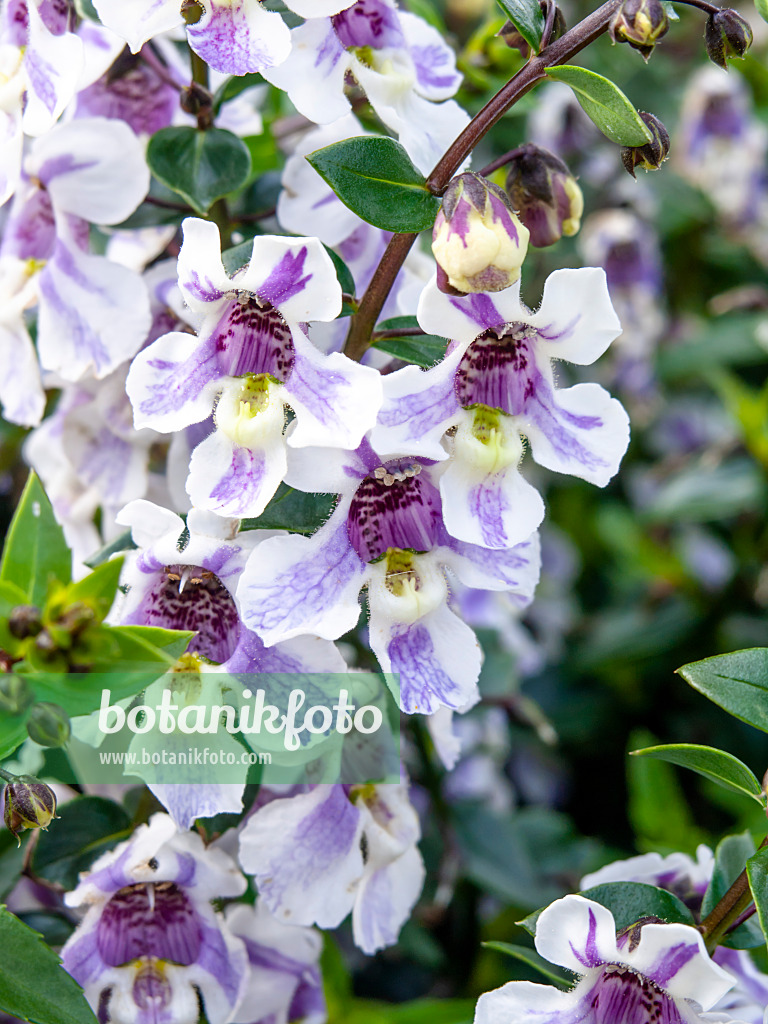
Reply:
x=641, y=23
x=653, y=154
x=191, y=11
x=29, y=803
x=15, y=694
x=25, y=621
x=727, y=34
x=49, y=725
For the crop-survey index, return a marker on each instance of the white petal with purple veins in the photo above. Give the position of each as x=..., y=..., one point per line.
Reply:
x=324, y=470
x=185, y=803
x=335, y=399
x=136, y=21
x=296, y=276
x=318, y=8
x=464, y=317
x=516, y=569
x=93, y=167
x=313, y=75
x=239, y=37
x=576, y=320
x=418, y=407
x=484, y=505
x=202, y=277
x=434, y=61
x=149, y=522
x=234, y=479
x=172, y=383
x=52, y=65
x=296, y=585
x=11, y=142
x=579, y=430
x=21, y=393
x=93, y=314
x=304, y=853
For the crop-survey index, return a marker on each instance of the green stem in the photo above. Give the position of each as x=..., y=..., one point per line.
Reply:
x=559, y=52
x=729, y=908
x=7, y=775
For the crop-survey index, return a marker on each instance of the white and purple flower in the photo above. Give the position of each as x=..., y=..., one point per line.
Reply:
x=402, y=63
x=333, y=849
x=651, y=972
x=284, y=981
x=236, y=37
x=151, y=947
x=387, y=534
x=250, y=359
x=92, y=314
x=497, y=383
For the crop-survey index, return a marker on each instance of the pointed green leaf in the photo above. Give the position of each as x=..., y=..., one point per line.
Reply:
x=98, y=588
x=201, y=166
x=294, y=511
x=527, y=17
x=33, y=985
x=35, y=550
x=375, y=178
x=421, y=349
x=717, y=765
x=605, y=104
x=761, y=6
x=737, y=682
x=757, y=873
x=124, y=542
x=533, y=959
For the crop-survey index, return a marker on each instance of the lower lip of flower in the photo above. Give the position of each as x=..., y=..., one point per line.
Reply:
x=149, y=919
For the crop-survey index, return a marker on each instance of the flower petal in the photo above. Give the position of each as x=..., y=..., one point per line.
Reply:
x=137, y=21
x=239, y=37
x=577, y=934
x=172, y=383
x=515, y=570
x=296, y=276
x=233, y=480
x=313, y=75
x=576, y=320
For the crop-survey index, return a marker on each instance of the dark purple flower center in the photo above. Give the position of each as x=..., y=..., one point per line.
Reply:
x=394, y=507
x=150, y=919
x=623, y=997
x=368, y=23
x=251, y=338
x=192, y=598
x=498, y=370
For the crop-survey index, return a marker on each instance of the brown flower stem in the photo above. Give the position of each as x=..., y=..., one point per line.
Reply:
x=732, y=905
x=559, y=52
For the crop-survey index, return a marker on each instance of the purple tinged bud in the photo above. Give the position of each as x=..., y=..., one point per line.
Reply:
x=49, y=725
x=653, y=154
x=15, y=694
x=478, y=242
x=29, y=803
x=641, y=23
x=545, y=194
x=727, y=34
x=515, y=41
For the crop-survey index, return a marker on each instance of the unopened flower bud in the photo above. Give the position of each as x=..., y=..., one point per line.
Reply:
x=515, y=41
x=15, y=694
x=727, y=34
x=653, y=154
x=545, y=194
x=641, y=23
x=29, y=803
x=191, y=11
x=49, y=725
x=24, y=621
x=478, y=242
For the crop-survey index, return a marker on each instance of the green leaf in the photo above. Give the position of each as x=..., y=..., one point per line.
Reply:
x=85, y=828
x=201, y=166
x=13, y=732
x=757, y=873
x=237, y=257
x=731, y=856
x=527, y=17
x=605, y=104
x=629, y=902
x=294, y=511
x=11, y=860
x=122, y=543
x=134, y=647
x=98, y=588
x=716, y=765
x=761, y=6
x=232, y=88
x=33, y=985
x=737, y=682
x=35, y=550
x=533, y=959
x=423, y=349
x=375, y=178
x=346, y=281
